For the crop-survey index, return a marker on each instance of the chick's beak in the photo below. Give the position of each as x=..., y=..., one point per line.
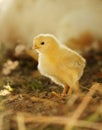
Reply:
x=35, y=47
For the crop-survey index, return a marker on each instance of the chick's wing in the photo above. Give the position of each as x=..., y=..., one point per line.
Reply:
x=71, y=60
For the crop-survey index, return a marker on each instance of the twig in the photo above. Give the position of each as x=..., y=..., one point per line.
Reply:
x=82, y=106
x=20, y=122
x=85, y=101
x=47, y=101
x=2, y=115
x=28, y=118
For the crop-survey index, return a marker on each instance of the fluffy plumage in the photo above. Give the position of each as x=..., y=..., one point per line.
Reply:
x=61, y=64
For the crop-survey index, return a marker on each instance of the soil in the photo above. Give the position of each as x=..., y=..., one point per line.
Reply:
x=32, y=94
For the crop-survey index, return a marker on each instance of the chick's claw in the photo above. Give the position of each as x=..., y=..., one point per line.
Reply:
x=60, y=96
x=64, y=93
x=55, y=94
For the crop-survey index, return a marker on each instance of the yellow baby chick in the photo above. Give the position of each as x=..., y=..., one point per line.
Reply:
x=57, y=62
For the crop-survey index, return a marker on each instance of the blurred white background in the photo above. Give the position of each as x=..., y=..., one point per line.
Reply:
x=21, y=20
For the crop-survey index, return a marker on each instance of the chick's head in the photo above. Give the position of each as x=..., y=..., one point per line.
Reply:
x=45, y=43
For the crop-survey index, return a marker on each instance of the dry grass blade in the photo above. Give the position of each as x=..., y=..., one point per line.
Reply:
x=82, y=106
x=69, y=122
x=49, y=102
x=85, y=101
x=20, y=122
x=28, y=118
x=72, y=100
x=2, y=115
x=100, y=88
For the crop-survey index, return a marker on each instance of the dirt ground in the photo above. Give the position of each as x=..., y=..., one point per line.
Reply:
x=30, y=105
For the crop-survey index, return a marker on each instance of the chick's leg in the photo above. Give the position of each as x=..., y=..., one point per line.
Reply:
x=64, y=93
x=70, y=91
x=64, y=90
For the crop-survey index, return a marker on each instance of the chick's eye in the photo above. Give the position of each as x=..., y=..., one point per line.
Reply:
x=42, y=43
